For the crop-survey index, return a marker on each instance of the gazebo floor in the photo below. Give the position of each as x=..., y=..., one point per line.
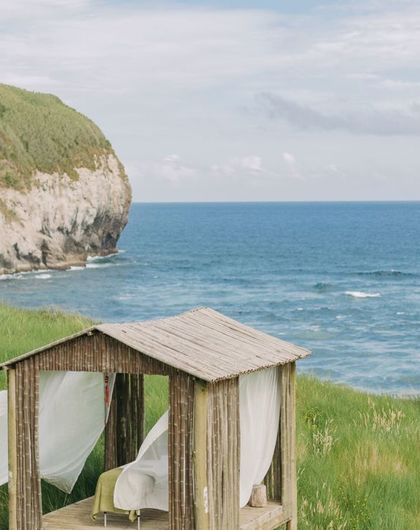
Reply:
x=77, y=517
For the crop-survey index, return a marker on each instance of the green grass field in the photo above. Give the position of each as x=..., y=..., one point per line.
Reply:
x=358, y=454
x=39, y=132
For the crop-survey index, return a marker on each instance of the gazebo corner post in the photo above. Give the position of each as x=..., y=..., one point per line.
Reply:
x=288, y=437
x=223, y=454
x=12, y=455
x=201, y=494
x=180, y=449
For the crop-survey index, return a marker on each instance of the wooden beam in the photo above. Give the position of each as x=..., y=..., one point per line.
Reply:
x=111, y=437
x=223, y=441
x=201, y=500
x=267, y=518
x=292, y=524
x=180, y=452
x=124, y=431
x=129, y=394
x=288, y=444
x=12, y=455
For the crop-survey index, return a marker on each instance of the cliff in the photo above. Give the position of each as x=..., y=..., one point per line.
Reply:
x=64, y=194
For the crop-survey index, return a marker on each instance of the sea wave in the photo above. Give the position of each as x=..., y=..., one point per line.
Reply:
x=323, y=286
x=107, y=256
x=362, y=294
x=7, y=277
x=393, y=273
x=26, y=275
x=99, y=265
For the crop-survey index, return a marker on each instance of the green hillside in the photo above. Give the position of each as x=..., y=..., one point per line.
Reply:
x=358, y=454
x=39, y=132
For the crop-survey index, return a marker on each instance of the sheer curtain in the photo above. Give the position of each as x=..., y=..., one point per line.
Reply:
x=259, y=397
x=72, y=413
x=144, y=483
x=72, y=418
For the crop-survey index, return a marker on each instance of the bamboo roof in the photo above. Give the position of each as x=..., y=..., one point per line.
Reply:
x=201, y=342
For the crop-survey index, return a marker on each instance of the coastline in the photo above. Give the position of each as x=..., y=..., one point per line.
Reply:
x=79, y=262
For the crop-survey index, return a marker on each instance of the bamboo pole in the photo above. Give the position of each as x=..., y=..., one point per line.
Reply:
x=201, y=500
x=292, y=524
x=12, y=455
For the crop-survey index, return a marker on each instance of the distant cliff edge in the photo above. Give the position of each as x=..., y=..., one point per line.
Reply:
x=64, y=194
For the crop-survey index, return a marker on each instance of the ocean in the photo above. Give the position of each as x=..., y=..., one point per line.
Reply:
x=342, y=279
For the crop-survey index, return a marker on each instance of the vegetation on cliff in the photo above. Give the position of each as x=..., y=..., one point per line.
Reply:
x=38, y=132
x=358, y=457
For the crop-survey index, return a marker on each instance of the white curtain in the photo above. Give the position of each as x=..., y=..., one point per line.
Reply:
x=72, y=415
x=72, y=418
x=144, y=482
x=259, y=398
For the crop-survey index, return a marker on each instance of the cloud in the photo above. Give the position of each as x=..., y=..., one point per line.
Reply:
x=361, y=121
x=28, y=9
x=174, y=77
x=170, y=169
x=289, y=158
x=292, y=166
x=241, y=167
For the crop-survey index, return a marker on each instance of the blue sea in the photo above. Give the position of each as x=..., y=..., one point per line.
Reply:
x=342, y=279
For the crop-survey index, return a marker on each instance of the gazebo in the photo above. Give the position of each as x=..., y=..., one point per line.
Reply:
x=203, y=353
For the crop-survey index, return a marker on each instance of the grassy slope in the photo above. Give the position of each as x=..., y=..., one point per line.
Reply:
x=358, y=455
x=39, y=132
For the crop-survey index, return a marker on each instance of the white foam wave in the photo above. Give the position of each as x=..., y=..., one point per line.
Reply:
x=98, y=265
x=43, y=276
x=362, y=294
x=76, y=268
x=107, y=256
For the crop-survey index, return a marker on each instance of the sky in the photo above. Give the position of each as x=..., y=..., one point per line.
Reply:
x=235, y=101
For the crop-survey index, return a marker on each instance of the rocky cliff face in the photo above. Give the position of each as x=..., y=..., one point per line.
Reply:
x=56, y=213
x=59, y=222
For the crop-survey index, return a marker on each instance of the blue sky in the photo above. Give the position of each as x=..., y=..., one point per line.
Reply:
x=292, y=100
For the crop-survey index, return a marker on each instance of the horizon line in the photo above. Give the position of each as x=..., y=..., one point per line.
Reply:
x=326, y=201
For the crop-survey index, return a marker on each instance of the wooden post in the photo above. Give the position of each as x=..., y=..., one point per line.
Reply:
x=224, y=454
x=180, y=449
x=12, y=455
x=124, y=431
x=111, y=437
x=288, y=438
x=201, y=500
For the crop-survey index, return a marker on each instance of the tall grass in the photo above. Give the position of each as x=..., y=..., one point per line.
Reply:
x=358, y=454
x=39, y=132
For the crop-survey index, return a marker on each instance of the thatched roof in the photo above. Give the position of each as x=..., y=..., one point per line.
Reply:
x=200, y=342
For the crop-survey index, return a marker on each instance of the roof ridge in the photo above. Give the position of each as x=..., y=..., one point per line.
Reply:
x=209, y=345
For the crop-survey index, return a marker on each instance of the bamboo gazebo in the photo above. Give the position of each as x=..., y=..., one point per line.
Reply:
x=203, y=354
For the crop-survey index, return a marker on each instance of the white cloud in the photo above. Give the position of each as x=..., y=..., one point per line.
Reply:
x=289, y=158
x=170, y=169
x=292, y=166
x=176, y=80
x=241, y=168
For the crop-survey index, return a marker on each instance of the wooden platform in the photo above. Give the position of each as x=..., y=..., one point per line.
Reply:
x=77, y=517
